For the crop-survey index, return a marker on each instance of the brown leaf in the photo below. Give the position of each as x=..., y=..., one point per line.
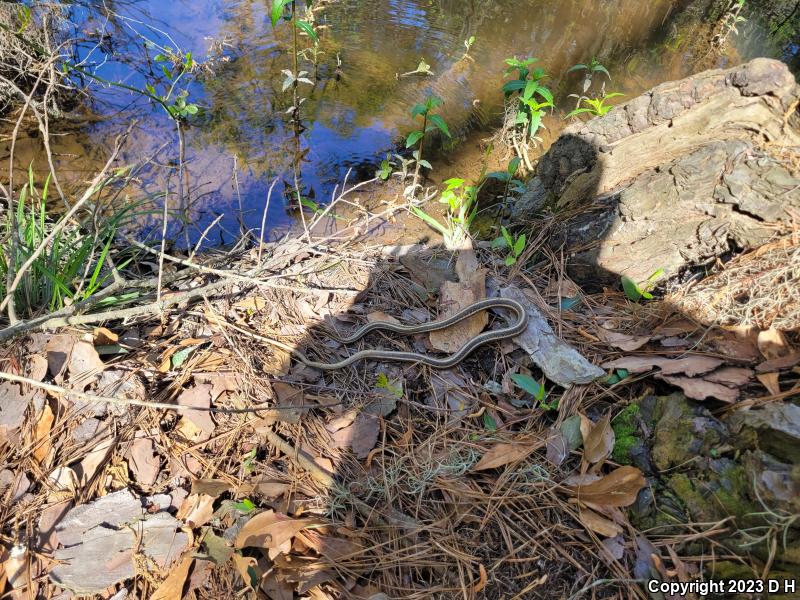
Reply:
x=332, y=548
x=143, y=461
x=690, y=365
x=382, y=317
x=700, y=389
x=600, y=441
x=104, y=337
x=198, y=396
x=455, y=297
x=776, y=364
x=772, y=344
x=557, y=449
x=599, y=524
x=210, y=487
x=172, y=587
x=37, y=367
x=738, y=342
x=623, y=341
x=503, y=454
x=264, y=486
x=365, y=430
x=196, y=510
x=269, y=529
x=57, y=349
x=288, y=397
x=770, y=381
x=618, y=488
x=42, y=435
x=84, y=365
x=732, y=376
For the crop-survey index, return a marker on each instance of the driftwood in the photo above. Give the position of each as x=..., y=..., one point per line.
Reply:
x=678, y=176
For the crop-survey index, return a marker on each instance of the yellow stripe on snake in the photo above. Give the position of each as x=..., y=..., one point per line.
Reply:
x=513, y=329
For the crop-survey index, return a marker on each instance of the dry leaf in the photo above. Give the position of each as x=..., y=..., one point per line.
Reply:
x=382, y=317
x=247, y=567
x=623, y=341
x=104, y=337
x=84, y=365
x=288, y=397
x=172, y=587
x=198, y=396
x=143, y=461
x=599, y=524
x=483, y=579
x=700, y=389
x=42, y=435
x=269, y=529
x=770, y=381
x=690, y=365
x=364, y=432
x=36, y=367
x=773, y=344
x=733, y=376
x=776, y=364
x=503, y=454
x=455, y=297
x=196, y=510
x=210, y=487
x=599, y=444
x=618, y=488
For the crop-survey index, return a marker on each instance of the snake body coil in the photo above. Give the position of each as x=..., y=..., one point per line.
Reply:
x=445, y=362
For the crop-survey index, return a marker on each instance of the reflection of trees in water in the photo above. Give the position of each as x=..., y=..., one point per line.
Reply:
x=376, y=39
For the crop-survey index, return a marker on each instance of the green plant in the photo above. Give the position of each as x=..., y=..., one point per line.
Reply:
x=635, y=292
x=423, y=68
x=174, y=66
x=74, y=265
x=591, y=70
x=385, y=170
x=468, y=43
x=384, y=384
x=430, y=122
x=536, y=389
x=507, y=177
x=595, y=106
x=532, y=97
x=515, y=245
x=461, y=210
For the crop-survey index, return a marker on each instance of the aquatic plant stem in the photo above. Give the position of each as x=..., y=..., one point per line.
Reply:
x=419, y=152
x=264, y=219
x=164, y=219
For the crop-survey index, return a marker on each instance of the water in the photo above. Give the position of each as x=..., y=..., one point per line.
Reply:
x=356, y=112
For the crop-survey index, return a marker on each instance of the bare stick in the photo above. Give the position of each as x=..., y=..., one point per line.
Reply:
x=165, y=217
x=57, y=389
x=264, y=220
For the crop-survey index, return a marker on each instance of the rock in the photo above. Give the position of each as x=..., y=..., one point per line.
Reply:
x=777, y=427
x=101, y=540
x=683, y=432
x=676, y=177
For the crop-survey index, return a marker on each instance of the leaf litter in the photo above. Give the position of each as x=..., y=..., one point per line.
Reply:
x=337, y=486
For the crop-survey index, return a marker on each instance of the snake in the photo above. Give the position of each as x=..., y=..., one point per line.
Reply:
x=513, y=329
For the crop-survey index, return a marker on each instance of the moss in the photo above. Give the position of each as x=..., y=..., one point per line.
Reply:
x=625, y=433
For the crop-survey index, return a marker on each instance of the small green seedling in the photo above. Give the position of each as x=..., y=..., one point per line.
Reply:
x=615, y=376
x=591, y=70
x=507, y=177
x=635, y=292
x=515, y=245
x=248, y=462
x=385, y=170
x=536, y=389
x=594, y=106
x=462, y=206
x=384, y=384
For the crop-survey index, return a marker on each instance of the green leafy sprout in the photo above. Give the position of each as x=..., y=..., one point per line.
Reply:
x=536, y=389
x=635, y=292
x=514, y=244
x=461, y=210
x=596, y=107
x=430, y=122
x=533, y=97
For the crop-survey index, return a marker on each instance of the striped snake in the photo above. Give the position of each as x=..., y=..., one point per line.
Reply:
x=445, y=362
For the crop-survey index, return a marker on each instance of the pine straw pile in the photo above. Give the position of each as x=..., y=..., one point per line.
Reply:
x=257, y=473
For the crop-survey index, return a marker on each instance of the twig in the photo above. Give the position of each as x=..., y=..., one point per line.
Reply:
x=57, y=389
x=163, y=239
x=264, y=220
